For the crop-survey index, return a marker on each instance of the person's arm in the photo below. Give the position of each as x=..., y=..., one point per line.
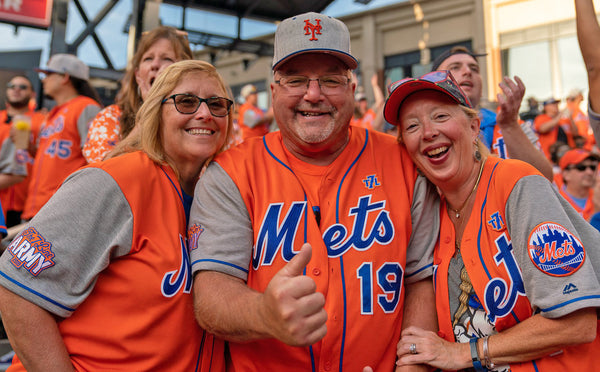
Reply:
x=33, y=334
x=588, y=35
x=419, y=311
x=289, y=310
x=517, y=143
x=378, y=122
x=7, y=180
x=533, y=338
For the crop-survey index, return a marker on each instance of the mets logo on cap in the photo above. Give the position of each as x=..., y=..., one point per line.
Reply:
x=312, y=29
x=554, y=250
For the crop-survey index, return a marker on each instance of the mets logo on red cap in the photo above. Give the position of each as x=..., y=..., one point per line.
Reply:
x=554, y=250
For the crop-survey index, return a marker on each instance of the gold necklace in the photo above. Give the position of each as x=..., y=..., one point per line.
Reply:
x=459, y=210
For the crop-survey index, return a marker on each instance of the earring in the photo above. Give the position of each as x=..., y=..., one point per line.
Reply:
x=476, y=154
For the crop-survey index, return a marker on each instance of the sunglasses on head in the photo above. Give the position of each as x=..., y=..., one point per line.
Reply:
x=17, y=86
x=441, y=78
x=583, y=167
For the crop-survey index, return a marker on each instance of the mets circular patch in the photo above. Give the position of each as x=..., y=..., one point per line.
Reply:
x=554, y=250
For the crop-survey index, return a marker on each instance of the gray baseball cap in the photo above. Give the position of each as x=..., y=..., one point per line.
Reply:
x=66, y=64
x=312, y=33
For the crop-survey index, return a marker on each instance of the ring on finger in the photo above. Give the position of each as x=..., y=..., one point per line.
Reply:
x=413, y=349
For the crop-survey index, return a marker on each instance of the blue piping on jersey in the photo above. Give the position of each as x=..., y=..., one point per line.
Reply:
x=178, y=194
x=337, y=220
x=482, y=222
x=220, y=262
x=36, y=293
x=558, y=306
x=310, y=348
x=418, y=271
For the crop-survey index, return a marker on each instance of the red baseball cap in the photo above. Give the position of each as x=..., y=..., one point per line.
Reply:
x=441, y=81
x=575, y=156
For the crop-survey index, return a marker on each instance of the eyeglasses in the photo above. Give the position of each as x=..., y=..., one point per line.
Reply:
x=583, y=167
x=17, y=86
x=188, y=104
x=297, y=85
x=442, y=79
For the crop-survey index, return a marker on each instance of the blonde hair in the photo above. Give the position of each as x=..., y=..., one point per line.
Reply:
x=146, y=136
x=129, y=99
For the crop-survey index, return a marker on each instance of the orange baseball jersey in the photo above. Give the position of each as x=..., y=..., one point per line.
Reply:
x=123, y=282
x=356, y=213
x=103, y=135
x=547, y=139
x=366, y=121
x=524, y=254
x=248, y=131
x=59, y=150
x=13, y=197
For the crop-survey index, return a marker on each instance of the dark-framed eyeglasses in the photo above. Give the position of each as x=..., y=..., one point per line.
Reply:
x=297, y=85
x=441, y=78
x=17, y=86
x=583, y=167
x=188, y=104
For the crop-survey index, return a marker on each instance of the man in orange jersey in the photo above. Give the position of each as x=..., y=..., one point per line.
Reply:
x=311, y=246
x=64, y=131
x=13, y=183
x=553, y=125
x=579, y=169
x=251, y=119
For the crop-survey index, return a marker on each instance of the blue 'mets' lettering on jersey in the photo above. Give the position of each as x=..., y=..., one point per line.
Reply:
x=174, y=280
x=500, y=298
x=276, y=233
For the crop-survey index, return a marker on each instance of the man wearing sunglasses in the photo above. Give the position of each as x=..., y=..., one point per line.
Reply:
x=312, y=245
x=13, y=183
x=501, y=132
x=579, y=170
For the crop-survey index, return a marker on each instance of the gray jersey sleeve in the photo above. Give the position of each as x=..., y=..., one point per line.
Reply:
x=8, y=160
x=530, y=133
x=87, y=223
x=425, y=231
x=534, y=201
x=251, y=118
x=83, y=122
x=225, y=244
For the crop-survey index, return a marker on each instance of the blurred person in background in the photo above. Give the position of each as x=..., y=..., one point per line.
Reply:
x=63, y=132
x=369, y=117
x=579, y=170
x=553, y=125
x=156, y=50
x=13, y=183
x=252, y=120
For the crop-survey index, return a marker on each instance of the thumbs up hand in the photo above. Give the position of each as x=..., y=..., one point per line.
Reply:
x=292, y=308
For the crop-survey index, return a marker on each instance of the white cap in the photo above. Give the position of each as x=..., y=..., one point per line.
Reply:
x=247, y=90
x=67, y=64
x=312, y=33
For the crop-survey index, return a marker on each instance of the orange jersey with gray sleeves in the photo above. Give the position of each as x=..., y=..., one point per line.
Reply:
x=526, y=252
x=121, y=280
x=60, y=140
x=370, y=222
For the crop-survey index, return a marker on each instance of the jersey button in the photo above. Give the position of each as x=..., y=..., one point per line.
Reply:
x=327, y=366
x=447, y=240
x=316, y=272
